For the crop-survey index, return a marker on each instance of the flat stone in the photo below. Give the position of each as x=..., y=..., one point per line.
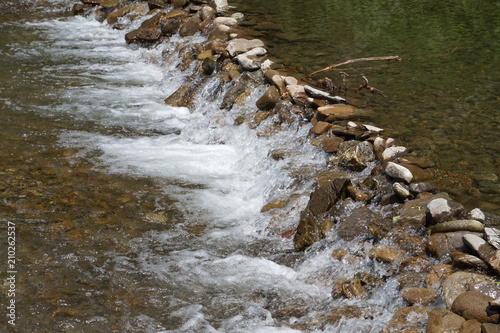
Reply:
x=331, y=145
x=441, y=244
x=242, y=45
x=191, y=27
x=399, y=172
x=229, y=21
x=412, y=213
x=467, y=261
x=321, y=127
x=458, y=225
x=371, y=128
x=437, y=274
x=439, y=210
x=393, y=153
x=418, y=296
x=492, y=236
x=329, y=110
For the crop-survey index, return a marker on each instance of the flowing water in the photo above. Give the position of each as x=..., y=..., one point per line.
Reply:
x=134, y=216
x=442, y=100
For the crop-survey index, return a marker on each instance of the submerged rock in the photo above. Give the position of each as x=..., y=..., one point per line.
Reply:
x=148, y=32
x=358, y=224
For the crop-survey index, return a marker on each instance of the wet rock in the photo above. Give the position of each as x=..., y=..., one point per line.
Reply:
x=220, y=6
x=241, y=45
x=398, y=172
x=110, y=3
x=316, y=93
x=247, y=63
x=261, y=116
x=413, y=212
x=492, y=236
x=290, y=80
x=356, y=194
x=437, y=274
x=460, y=282
x=220, y=32
x=297, y=93
x=386, y=254
x=269, y=99
x=229, y=21
x=358, y=224
x=183, y=97
x=442, y=320
x=409, y=317
x=331, y=145
x=484, y=251
x=171, y=23
x=209, y=64
x=458, y=225
x=476, y=214
x=179, y=3
x=439, y=210
x=470, y=326
x=409, y=240
x=308, y=231
x=415, y=264
x=393, y=153
x=354, y=289
x=115, y=15
x=402, y=191
x=417, y=188
x=324, y=197
x=475, y=305
x=378, y=147
x=157, y=3
x=418, y=296
x=148, y=32
x=329, y=110
x=274, y=78
x=355, y=155
x=191, y=27
x=343, y=313
x=441, y=244
x=245, y=82
x=321, y=127
x=207, y=12
x=419, y=174
x=490, y=328
x=466, y=261
x=410, y=279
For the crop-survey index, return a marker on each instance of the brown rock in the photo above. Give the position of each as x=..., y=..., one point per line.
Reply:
x=461, y=282
x=442, y=320
x=308, y=232
x=386, y=254
x=458, y=225
x=261, y=116
x=179, y=3
x=356, y=193
x=324, y=197
x=475, y=305
x=490, y=328
x=297, y=93
x=412, y=213
x=441, y=244
x=191, y=26
x=358, y=224
x=353, y=289
x=470, y=326
x=336, y=109
x=437, y=274
x=331, y=145
x=415, y=264
x=182, y=97
x=148, y=32
x=269, y=99
x=439, y=210
x=418, y=296
x=113, y=17
x=412, y=316
x=355, y=155
x=467, y=261
x=321, y=127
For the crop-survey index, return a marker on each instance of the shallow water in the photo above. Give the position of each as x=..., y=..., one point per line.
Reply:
x=441, y=104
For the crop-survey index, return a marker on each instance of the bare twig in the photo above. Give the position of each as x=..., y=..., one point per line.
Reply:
x=347, y=62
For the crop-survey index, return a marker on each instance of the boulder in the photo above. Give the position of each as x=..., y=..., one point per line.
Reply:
x=245, y=82
x=209, y=64
x=460, y=282
x=331, y=145
x=393, y=153
x=398, y=172
x=297, y=93
x=355, y=155
x=242, y=45
x=207, y=12
x=116, y=14
x=418, y=296
x=359, y=224
x=441, y=244
x=409, y=317
x=191, y=27
x=148, y=32
x=170, y=26
x=437, y=274
x=475, y=305
x=440, y=210
x=458, y=225
x=183, y=97
x=442, y=320
x=269, y=99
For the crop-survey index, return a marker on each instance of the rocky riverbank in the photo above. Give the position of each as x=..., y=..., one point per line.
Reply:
x=444, y=256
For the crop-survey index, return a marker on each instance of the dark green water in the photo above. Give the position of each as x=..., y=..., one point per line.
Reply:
x=441, y=104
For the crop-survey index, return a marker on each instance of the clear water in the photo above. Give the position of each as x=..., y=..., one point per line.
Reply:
x=134, y=216
x=440, y=104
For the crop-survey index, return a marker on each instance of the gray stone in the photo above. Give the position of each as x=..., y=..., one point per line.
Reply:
x=458, y=225
x=316, y=93
x=412, y=213
x=247, y=63
x=484, y=251
x=460, y=282
x=476, y=214
x=492, y=236
x=241, y=45
x=355, y=155
x=399, y=172
x=417, y=188
x=358, y=224
x=297, y=93
x=220, y=6
x=401, y=190
x=394, y=152
x=290, y=80
x=228, y=21
x=441, y=244
x=440, y=210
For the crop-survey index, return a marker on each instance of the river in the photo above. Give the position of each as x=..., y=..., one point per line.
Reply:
x=134, y=216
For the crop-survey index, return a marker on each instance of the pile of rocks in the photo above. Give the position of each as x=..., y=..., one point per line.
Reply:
x=425, y=225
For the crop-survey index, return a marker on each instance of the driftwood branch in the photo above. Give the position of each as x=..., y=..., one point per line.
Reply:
x=347, y=62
